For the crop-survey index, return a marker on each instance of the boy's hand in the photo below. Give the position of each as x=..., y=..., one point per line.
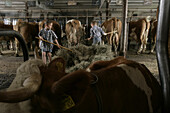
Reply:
x=88, y=38
x=105, y=34
x=59, y=46
x=41, y=38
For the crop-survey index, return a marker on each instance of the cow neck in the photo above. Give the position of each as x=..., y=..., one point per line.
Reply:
x=97, y=94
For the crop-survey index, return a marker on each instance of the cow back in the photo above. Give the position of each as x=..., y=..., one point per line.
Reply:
x=6, y=27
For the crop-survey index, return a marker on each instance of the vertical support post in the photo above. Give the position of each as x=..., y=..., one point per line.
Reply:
x=87, y=20
x=100, y=16
x=107, y=9
x=87, y=23
x=26, y=9
x=124, y=38
x=66, y=19
x=162, y=51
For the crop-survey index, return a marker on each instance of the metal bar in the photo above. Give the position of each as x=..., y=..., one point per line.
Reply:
x=162, y=51
x=35, y=17
x=125, y=10
x=123, y=46
x=20, y=39
x=107, y=9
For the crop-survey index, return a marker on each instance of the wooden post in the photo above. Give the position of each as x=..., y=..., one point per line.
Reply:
x=107, y=9
x=26, y=9
x=100, y=17
x=87, y=19
x=66, y=19
x=124, y=38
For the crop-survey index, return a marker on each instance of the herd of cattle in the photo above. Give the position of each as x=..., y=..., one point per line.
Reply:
x=115, y=86
x=138, y=30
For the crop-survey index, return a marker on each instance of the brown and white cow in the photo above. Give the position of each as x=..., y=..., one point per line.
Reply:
x=8, y=39
x=115, y=86
x=139, y=30
x=28, y=30
x=74, y=31
x=112, y=25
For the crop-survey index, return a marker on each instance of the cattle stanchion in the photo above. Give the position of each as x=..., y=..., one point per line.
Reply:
x=162, y=51
x=55, y=44
x=20, y=39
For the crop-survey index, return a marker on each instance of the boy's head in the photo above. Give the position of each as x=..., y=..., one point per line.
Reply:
x=93, y=23
x=48, y=24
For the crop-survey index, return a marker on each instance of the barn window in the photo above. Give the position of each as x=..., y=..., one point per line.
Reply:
x=49, y=2
x=148, y=2
x=7, y=21
x=119, y=2
x=14, y=21
x=8, y=3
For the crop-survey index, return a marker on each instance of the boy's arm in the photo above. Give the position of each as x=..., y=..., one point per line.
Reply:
x=103, y=31
x=40, y=34
x=56, y=39
x=57, y=43
x=91, y=34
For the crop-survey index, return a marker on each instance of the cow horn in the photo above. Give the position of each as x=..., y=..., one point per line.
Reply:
x=25, y=88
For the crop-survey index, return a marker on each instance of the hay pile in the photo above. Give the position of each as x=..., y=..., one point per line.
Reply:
x=82, y=56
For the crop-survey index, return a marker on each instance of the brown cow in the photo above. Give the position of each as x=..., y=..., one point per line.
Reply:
x=113, y=25
x=74, y=31
x=139, y=31
x=9, y=39
x=29, y=30
x=116, y=86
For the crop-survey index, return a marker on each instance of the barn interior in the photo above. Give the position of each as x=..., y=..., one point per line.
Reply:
x=85, y=11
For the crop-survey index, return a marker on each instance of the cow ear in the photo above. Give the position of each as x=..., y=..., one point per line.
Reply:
x=58, y=64
x=74, y=84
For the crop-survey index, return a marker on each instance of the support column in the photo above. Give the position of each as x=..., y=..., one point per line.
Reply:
x=87, y=19
x=162, y=51
x=107, y=9
x=101, y=17
x=27, y=14
x=87, y=23
x=124, y=38
x=66, y=19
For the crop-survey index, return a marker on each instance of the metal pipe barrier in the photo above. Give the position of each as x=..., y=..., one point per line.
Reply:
x=13, y=33
x=162, y=52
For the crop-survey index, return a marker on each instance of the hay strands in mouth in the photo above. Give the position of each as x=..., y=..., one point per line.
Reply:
x=55, y=44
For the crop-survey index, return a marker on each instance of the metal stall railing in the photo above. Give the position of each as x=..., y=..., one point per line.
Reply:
x=20, y=39
x=162, y=51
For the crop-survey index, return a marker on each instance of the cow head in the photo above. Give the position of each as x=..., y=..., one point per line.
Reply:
x=61, y=91
x=49, y=87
